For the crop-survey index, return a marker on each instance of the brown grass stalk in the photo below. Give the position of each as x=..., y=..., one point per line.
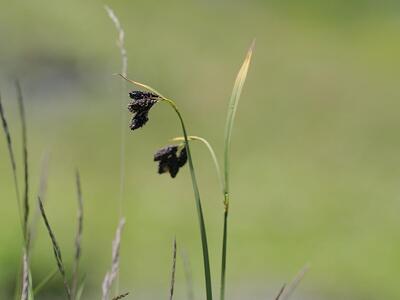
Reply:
x=172, y=285
x=25, y=277
x=112, y=273
x=25, y=160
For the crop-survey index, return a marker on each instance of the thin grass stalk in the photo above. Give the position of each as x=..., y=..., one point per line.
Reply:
x=25, y=161
x=25, y=277
x=173, y=269
x=79, y=292
x=12, y=159
x=45, y=281
x=291, y=287
x=280, y=292
x=56, y=250
x=112, y=273
x=11, y=155
x=42, y=194
x=120, y=296
x=203, y=231
x=233, y=104
x=78, y=238
x=124, y=71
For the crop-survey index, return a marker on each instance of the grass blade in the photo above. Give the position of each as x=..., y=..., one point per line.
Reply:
x=80, y=290
x=171, y=294
x=25, y=159
x=280, y=292
x=12, y=158
x=25, y=278
x=56, y=250
x=233, y=104
x=78, y=238
x=112, y=273
x=45, y=281
x=290, y=288
x=120, y=296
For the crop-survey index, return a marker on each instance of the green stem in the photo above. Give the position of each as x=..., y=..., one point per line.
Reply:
x=207, y=271
x=213, y=156
x=224, y=246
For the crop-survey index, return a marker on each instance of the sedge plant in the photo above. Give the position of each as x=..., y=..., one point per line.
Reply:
x=173, y=157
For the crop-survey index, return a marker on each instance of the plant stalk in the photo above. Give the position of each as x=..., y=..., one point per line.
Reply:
x=207, y=271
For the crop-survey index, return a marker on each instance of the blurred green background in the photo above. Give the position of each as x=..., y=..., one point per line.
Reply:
x=316, y=146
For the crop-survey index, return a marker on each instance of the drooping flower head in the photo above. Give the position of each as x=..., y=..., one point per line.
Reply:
x=169, y=160
x=140, y=106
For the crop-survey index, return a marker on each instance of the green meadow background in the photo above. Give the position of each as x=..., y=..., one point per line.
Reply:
x=316, y=146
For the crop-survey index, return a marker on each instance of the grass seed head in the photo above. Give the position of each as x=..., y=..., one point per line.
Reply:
x=169, y=160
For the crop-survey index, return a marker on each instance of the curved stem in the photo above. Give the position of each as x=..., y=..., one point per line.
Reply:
x=206, y=259
x=207, y=271
x=225, y=194
x=212, y=153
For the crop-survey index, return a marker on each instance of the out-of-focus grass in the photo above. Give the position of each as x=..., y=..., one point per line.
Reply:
x=315, y=149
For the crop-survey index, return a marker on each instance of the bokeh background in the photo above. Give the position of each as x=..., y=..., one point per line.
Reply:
x=316, y=145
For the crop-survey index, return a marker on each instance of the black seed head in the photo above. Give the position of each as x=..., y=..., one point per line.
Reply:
x=141, y=105
x=139, y=120
x=165, y=152
x=182, y=159
x=138, y=95
x=169, y=161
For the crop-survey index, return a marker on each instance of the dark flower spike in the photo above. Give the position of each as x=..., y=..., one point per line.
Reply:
x=140, y=106
x=169, y=159
x=139, y=120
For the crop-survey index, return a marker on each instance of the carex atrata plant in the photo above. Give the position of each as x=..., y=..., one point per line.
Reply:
x=172, y=157
x=143, y=116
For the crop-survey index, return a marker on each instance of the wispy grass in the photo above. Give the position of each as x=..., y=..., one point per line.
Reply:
x=78, y=238
x=112, y=273
x=11, y=155
x=25, y=161
x=280, y=292
x=56, y=250
x=173, y=269
x=120, y=296
x=25, y=277
x=124, y=71
x=287, y=290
